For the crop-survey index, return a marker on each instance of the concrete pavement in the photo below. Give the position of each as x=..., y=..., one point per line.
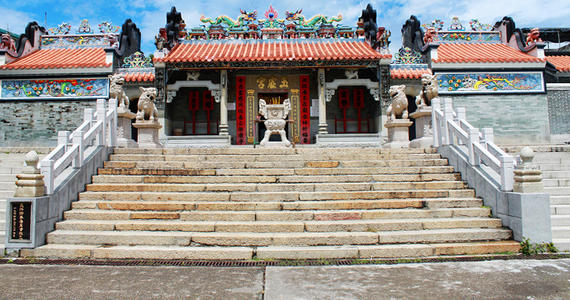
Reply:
x=511, y=279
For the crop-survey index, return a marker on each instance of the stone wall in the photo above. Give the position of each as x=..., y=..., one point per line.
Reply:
x=515, y=119
x=559, y=109
x=36, y=123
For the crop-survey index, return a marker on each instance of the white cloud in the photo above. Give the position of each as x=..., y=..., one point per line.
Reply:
x=13, y=20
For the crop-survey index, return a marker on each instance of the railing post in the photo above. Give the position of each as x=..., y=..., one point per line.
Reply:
x=447, y=117
x=473, y=138
x=507, y=172
x=62, y=138
x=101, y=116
x=488, y=136
x=460, y=116
x=113, y=123
x=435, y=107
x=78, y=140
x=88, y=115
x=46, y=168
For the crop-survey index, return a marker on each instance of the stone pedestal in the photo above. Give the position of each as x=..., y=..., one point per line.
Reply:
x=124, y=132
x=528, y=177
x=30, y=183
x=148, y=134
x=398, y=136
x=424, y=130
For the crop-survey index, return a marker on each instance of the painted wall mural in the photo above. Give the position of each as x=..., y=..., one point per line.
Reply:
x=54, y=88
x=490, y=82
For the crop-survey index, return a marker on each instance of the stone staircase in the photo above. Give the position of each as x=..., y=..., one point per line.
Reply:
x=244, y=203
x=555, y=168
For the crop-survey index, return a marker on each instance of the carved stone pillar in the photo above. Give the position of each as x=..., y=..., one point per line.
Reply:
x=224, y=103
x=528, y=177
x=30, y=183
x=323, y=128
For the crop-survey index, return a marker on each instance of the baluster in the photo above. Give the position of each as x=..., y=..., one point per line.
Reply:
x=473, y=138
x=62, y=138
x=113, y=123
x=46, y=167
x=435, y=108
x=488, y=137
x=460, y=116
x=101, y=117
x=78, y=140
x=448, y=117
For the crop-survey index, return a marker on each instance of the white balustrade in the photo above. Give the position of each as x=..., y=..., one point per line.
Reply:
x=451, y=128
x=98, y=129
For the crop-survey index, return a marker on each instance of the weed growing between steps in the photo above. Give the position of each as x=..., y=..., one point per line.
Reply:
x=528, y=248
x=256, y=262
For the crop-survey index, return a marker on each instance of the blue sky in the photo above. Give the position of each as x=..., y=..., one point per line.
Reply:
x=151, y=15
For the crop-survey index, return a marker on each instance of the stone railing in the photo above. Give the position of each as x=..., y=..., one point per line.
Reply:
x=451, y=128
x=99, y=128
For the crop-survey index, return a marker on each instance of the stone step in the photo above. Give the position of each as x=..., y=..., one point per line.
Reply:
x=270, y=151
x=278, y=226
x=560, y=210
x=273, y=164
x=278, y=205
x=125, y=179
x=273, y=239
x=551, y=157
x=10, y=170
x=556, y=182
x=560, y=232
x=555, y=174
x=307, y=215
x=562, y=191
x=560, y=220
x=275, y=187
x=12, y=163
x=7, y=185
x=275, y=172
x=269, y=158
x=559, y=200
x=274, y=196
x=270, y=252
x=562, y=244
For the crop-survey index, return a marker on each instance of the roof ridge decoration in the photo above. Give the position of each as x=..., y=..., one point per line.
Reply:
x=456, y=32
x=84, y=27
x=408, y=56
x=137, y=60
x=84, y=38
x=107, y=27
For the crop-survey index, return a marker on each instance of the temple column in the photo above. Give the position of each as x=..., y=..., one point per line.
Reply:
x=323, y=128
x=223, y=130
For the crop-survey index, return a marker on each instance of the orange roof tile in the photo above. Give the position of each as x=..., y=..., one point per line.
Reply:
x=408, y=73
x=561, y=62
x=481, y=53
x=61, y=59
x=272, y=50
x=139, y=77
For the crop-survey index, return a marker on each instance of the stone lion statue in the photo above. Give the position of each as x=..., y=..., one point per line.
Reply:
x=533, y=36
x=398, y=108
x=146, y=108
x=429, y=90
x=7, y=43
x=116, y=90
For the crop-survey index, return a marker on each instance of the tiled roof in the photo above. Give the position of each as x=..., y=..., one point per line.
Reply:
x=481, y=53
x=272, y=50
x=139, y=77
x=408, y=73
x=561, y=62
x=61, y=59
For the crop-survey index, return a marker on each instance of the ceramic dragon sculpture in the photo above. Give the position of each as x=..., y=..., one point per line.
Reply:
x=300, y=19
x=242, y=20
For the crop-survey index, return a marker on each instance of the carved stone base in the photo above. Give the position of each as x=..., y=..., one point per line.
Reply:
x=424, y=130
x=124, y=133
x=29, y=185
x=148, y=134
x=398, y=136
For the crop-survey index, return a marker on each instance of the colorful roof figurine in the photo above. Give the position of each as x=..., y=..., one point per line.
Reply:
x=408, y=64
x=137, y=68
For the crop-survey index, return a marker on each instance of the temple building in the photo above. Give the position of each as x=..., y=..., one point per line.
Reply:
x=49, y=76
x=212, y=78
